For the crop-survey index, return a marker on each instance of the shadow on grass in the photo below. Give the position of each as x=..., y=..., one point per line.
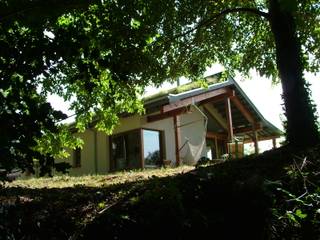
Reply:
x=224, y=201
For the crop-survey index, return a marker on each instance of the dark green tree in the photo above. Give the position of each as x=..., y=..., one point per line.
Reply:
x=101, y=54
x=278, y=38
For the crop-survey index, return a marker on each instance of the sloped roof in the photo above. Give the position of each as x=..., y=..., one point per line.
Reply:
x=155, y=102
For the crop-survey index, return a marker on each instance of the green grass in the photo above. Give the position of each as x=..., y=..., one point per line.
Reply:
x=63, y=205
x=235, y=199
x=105, y=180
x=183, y=88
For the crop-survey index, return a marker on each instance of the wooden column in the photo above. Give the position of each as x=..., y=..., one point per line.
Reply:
x=255, y=141
x=216, y=147
x=229, y=119
x=141, y=141
x=176, y=122
x=274, y=143
x=95, y=142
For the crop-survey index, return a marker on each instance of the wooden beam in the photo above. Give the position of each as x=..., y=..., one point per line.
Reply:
x=176, y=123
x=256, y=142
x=216, y=147
x=161, y=116
x=141, y=141
x=216, y=99
x=229, y=119
x=216, y=115
x=274, y=143
x=213, y=135
x=243, y=109
x=261, y=139
x=256, y=127
x=207, y=96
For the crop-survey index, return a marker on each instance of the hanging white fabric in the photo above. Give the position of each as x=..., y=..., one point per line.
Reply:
x=194, y=133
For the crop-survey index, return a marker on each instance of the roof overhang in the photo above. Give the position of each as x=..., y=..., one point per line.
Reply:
x=248, y=116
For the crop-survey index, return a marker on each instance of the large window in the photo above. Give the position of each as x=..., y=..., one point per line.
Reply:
x=152, y=148
x=136, y=149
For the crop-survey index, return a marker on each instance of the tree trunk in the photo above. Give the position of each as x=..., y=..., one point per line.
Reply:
x=301, y=121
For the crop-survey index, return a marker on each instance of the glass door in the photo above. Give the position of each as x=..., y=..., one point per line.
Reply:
x=152, y=148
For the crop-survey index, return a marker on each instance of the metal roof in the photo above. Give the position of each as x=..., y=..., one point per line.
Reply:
x=268, y=129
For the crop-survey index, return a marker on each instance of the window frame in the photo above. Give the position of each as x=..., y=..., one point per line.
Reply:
x=161, y=144
x=113, y=164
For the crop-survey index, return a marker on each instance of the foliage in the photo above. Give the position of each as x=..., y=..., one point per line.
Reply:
x=153, y=158
x=295, y=212
x=245, y=35
x=101, y=54
x=203, y=161
x=55, y=53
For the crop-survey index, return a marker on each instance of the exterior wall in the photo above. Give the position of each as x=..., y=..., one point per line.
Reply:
x=96, y=159
x=87, y=155
x=193, y=130
x=103, y=155
x=129, y=123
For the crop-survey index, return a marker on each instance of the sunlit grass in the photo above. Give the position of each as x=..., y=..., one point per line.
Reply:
x=105, y=180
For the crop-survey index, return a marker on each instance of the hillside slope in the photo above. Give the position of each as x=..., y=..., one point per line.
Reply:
x=261, y=197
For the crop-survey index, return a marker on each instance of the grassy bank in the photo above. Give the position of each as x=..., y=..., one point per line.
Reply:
x=238, y=199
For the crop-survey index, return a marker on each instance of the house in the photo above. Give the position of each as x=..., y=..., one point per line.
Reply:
x=180, y=126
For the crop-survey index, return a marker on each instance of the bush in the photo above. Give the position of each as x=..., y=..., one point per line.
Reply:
x=296, y=208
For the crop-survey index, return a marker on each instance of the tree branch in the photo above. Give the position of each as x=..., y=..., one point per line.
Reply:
x=223, y=13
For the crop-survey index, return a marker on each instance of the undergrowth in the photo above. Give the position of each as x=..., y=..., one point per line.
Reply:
x=296, y=199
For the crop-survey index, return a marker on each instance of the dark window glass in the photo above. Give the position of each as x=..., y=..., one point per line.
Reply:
x=77, y=157
x=126, y=151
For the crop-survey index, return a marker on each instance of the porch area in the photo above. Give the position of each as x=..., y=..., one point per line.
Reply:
x=229, y=119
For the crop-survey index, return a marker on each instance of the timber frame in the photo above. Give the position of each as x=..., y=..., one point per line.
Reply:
x=228, y=105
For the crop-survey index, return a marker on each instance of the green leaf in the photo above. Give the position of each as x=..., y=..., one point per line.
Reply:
x=299, y=214
x=291, y=216
x=135, y=23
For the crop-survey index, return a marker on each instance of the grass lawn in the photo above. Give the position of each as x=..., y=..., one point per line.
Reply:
x=106, y=180
x=55, y=208
x=230, y=200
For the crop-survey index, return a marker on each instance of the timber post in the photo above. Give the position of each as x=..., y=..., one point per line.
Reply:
x=176, y=122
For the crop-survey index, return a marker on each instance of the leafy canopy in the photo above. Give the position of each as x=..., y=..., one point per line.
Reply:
x=101, y=54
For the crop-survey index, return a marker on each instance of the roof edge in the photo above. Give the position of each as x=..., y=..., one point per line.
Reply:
x=265, y=121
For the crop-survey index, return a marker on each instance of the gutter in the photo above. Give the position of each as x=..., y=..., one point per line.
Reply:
x=156, y=99
x=197, y=91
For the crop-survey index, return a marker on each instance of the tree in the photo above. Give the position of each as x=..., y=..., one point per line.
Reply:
x=76, y=50
x=101, y=55
x=276, y=37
